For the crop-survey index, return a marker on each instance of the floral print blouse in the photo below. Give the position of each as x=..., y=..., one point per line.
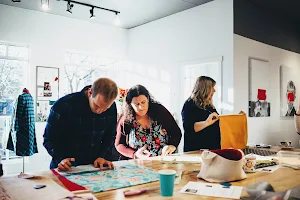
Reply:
x=155, y=138
x=163, y=131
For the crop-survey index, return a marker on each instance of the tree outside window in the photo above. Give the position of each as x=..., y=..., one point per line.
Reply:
x=11, y=81
x=13, y=75
x=81, y=70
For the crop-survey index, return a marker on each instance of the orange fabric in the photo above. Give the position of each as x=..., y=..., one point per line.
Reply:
x=234, y=131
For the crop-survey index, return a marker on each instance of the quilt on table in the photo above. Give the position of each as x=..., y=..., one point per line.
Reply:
x=120, y=177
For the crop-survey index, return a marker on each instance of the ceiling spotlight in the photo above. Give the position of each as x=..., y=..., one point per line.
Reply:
x=45, y=4
x=117, y=20
x=69, y=7
x=92, y=8
x=92, y=13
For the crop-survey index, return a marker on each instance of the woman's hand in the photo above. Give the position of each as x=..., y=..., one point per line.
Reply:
x=298, y=110
x=168, y=150
x=212, y=118
x=142, y=153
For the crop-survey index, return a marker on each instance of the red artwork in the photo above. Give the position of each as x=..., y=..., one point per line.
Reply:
x=290, y=97
x=261, y=94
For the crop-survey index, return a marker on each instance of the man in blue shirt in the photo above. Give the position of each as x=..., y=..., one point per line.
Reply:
x=81, y=127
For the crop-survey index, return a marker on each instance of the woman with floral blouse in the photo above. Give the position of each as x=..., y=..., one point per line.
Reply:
x=146, y=128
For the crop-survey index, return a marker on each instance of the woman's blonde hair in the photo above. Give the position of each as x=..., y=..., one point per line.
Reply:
x=201, y=91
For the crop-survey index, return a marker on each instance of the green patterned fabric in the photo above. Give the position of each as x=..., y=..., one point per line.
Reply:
x=120, y=177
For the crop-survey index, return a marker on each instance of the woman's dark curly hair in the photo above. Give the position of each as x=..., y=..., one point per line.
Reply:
x=136, y=91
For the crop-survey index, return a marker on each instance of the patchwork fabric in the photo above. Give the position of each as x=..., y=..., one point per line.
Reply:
x=122, y=176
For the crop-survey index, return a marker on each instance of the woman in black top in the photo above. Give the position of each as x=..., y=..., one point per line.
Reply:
x=200, y=118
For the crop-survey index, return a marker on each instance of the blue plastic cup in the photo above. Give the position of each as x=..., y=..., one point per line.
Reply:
x=167, y=178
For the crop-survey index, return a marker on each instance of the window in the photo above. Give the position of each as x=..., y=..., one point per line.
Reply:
x=81, y=70
x=205, y=67
x=13, y=75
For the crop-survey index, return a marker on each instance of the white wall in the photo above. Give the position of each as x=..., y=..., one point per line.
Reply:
x=202, y=32
x=48, y=36
x=268, y=130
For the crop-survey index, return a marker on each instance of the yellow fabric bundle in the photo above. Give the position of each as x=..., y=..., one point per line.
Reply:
x=234, y=131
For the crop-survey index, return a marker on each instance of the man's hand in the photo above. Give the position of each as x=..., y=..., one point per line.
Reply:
x=65, y=164
x=100, y=162
x=168, y=150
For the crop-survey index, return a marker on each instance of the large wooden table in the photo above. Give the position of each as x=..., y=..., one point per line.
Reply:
x=282, y=179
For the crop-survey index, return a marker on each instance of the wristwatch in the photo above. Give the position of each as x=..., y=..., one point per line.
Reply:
x=297, y=114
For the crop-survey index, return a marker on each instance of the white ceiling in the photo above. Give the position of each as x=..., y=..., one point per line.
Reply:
x=132, y=12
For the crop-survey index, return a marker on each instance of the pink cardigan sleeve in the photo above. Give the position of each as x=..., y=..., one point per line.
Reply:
x=121, y=140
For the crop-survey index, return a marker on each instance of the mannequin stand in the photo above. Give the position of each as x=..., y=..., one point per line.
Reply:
x=23, y=164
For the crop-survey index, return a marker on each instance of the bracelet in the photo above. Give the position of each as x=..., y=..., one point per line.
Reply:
x=297, y=114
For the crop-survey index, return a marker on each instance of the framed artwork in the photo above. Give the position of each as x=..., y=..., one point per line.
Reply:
x=47, y=91
x=288, y=91
x=259, y=86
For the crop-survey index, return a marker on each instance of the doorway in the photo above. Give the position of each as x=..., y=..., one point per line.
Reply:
x=189, y=72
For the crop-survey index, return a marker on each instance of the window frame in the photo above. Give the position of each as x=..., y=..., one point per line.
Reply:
x=7, y=158
x=7, y=44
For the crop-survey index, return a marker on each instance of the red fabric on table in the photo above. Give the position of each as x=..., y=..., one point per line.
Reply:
x=71, y=186
x=231, y=154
